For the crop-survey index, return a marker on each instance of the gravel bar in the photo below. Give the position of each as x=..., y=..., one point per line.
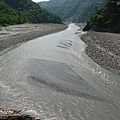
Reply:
x=104, y=49
x=14, y=35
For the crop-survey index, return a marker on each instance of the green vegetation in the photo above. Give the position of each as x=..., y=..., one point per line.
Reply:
x=22, y=11
x=8, y=15
x=106, y=19
x=73, y=10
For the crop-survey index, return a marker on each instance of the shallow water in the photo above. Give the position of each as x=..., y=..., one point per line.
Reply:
x=52, y=78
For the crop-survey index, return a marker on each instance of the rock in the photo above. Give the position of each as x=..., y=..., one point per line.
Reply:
x=14, y=115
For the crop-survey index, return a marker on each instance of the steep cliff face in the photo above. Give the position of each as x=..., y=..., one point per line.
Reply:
x=22, y=11
x=106, y=19
x=73, y=10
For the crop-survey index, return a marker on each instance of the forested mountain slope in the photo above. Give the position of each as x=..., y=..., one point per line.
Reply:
x=106, y=19
x=73, y=10
x=22, y=11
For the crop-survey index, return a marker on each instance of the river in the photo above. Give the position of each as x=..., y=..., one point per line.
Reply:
x=52, y=78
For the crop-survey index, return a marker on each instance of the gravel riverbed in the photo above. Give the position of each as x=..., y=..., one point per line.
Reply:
x=104, y=49
x=14, y=35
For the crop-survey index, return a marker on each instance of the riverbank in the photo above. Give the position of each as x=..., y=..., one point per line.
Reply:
x=15, y=35
x=104, y=49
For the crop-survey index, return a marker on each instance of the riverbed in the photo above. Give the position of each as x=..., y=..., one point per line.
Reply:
x=52, y=78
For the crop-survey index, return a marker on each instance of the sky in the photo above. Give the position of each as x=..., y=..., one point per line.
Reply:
x=39, y=0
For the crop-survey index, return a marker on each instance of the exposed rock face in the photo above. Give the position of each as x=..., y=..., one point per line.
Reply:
x=104, y=48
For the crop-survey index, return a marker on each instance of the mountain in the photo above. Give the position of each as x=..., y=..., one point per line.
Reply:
x=107, y=19
x=73, y=10
x=22, y=11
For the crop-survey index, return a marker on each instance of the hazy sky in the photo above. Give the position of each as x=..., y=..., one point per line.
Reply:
x=39, y=0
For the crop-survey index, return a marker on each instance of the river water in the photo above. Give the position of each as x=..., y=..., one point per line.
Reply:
x=52, y=78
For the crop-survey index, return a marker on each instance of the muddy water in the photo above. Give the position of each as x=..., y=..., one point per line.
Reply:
x=52, y=78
